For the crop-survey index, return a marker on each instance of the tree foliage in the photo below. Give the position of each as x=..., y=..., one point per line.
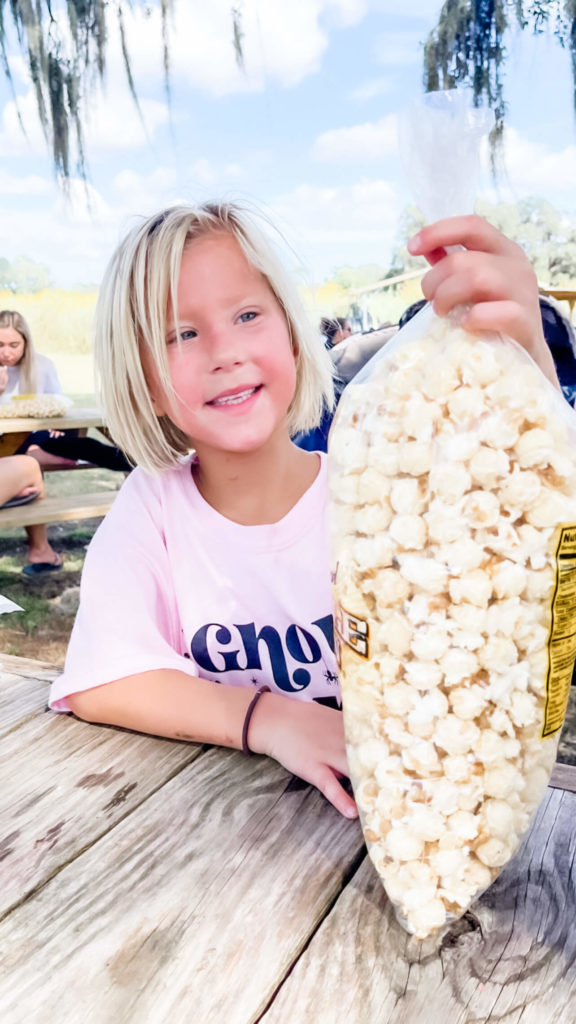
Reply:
x=547, y=236
x=23, y=275
x=64, y=45
x=467, y=45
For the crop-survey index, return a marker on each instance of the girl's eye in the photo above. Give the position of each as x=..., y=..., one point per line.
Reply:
x=187, y=335
x=245, y=318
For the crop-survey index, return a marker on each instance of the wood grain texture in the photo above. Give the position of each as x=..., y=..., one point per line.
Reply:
x=28, y=667
x=23, y=690
x=512, y=959
x=564, y=777
x=61, y=508
x=190, y=910
x=64, y=783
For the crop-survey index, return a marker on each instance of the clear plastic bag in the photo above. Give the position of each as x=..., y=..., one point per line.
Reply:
x=453, y=529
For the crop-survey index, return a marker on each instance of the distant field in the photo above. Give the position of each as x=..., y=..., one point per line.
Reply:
x=76, y=374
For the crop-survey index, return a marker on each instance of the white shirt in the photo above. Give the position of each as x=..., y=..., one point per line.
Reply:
x=47, y=382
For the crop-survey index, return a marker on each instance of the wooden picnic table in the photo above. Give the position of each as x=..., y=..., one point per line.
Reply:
x=145, y=880
x=14, y=431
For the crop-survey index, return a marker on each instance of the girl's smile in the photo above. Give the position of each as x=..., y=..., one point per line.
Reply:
x=237, y=398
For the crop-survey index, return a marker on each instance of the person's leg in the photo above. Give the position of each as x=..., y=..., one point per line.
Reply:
x=19, y=475
x=40, y=551
x=85, y=448
x=44, y=458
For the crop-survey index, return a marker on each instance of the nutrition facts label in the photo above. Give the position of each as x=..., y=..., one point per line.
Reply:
x=562, y=642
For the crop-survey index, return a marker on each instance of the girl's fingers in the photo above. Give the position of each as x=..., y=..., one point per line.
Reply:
x=464, y=277
x=326, y=781
x=505, y=317
x=472, y=232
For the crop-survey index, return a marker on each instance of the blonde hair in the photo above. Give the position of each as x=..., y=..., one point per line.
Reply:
x=139, y=284
x=27, y=364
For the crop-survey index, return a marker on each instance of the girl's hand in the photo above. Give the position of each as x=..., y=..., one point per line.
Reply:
x=492, y=275
x=3, y=379
x=308, y=740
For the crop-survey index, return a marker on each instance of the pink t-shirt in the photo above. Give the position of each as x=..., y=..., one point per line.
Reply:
x=168, y=582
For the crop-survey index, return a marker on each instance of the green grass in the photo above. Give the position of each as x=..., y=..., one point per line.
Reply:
x=36, y=605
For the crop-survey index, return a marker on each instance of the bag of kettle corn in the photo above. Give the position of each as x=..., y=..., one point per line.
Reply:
x=453, y=529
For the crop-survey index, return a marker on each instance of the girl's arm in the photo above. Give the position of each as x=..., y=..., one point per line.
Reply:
x=492, y=275
x=307, y=738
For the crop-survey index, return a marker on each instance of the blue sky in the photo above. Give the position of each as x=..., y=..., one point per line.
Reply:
x=308, y=131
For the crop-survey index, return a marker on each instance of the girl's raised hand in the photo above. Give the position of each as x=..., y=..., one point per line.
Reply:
x=491, y=274
x=307, y=739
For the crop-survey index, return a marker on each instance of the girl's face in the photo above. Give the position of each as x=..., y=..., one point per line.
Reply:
x=12, y=346
x=233, y=371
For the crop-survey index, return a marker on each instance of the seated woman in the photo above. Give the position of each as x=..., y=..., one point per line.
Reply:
x=24, y=371
x=21, y=482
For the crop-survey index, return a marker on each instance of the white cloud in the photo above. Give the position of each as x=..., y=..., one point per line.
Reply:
x=20, y=185
x=116, y=124
x=341, y=225
x=535, y=168
x=370, y=89
x=282, y=42
x=399, y=49
x=108, y=124
x=372, y=141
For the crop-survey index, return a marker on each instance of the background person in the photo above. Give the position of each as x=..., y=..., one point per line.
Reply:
x=334, y=330
x=24, y=371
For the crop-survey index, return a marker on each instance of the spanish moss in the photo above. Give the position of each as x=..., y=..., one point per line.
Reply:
x=467, y=47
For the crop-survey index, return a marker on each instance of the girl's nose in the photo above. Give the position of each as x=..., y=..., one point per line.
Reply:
x=224, y=349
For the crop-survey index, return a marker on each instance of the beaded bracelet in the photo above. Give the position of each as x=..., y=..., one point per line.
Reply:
x=245, y=748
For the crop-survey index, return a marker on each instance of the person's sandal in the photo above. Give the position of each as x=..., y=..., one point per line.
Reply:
x=22, y=499
x=41, y=568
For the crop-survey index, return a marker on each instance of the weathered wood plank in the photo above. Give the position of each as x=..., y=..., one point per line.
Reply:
x=60, y=508
x=512, y=959
x=564, y=777
x=191, y=909
x=23, y=694
x=28, y=667
x=64, y=783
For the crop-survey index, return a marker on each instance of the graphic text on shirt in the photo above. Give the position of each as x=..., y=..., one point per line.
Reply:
x=219, y=648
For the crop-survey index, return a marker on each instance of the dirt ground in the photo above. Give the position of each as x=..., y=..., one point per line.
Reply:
x=42, y=629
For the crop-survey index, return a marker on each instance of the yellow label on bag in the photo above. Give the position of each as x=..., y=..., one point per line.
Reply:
x=352, y=631
x=562, y=641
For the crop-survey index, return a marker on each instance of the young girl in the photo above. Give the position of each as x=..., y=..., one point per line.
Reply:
x=206, y=611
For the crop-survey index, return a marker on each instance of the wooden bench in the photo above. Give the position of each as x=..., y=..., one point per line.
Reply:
x=58, y=509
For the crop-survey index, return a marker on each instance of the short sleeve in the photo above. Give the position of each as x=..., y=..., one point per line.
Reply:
x=128, y=620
